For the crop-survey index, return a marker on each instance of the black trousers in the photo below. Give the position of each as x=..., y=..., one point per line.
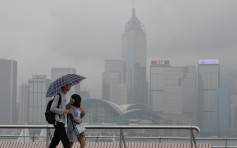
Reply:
x=59, y=134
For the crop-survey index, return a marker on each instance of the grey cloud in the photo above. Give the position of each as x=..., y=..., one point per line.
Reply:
x=82, y=34
x=200, y=26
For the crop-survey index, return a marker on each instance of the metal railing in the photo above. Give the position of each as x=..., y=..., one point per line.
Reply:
x=121, y=128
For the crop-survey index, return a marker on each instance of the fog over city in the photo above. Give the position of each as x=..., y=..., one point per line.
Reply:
x=82, y=34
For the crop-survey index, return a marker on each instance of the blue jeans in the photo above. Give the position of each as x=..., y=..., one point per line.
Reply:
x=59, y=134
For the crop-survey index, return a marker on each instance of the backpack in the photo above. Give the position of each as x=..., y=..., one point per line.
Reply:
x=49, y=115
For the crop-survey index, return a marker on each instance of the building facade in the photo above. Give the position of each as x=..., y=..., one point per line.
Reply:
x=208, y=82
x=134, y=56
x=8, y=91
x=222, y=97
x=233, y=108
x=37, y=100
x=58, y=72
x=23, y=104
x=172, y=91
x=113, y=82
x=233, y=116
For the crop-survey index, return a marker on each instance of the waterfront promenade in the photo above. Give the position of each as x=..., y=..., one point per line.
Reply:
x=121, y=142
x=120, y=139
x=102, y=145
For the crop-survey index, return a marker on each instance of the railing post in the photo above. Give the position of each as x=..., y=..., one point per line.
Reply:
x=47, y=137
x=122, y=138
x=97, y=139
x=226, y=142
x=193, y=137
x=191, y=142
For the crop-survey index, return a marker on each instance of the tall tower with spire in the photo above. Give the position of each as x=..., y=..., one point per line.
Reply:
x=134, y=56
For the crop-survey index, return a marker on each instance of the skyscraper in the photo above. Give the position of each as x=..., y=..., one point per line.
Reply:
x=157, y=85
x=222, y=97
x=208, y=82
x=172, y=91
x=8, y=91
x=113, y=82
x=37, y=100
x=233, y=107
x=134, y=56
x=58, y=72
x=23, y=104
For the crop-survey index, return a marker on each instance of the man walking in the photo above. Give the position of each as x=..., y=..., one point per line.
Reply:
x=60, y=119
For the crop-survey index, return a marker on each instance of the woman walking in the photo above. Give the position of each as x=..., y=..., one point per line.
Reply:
x=77, y=113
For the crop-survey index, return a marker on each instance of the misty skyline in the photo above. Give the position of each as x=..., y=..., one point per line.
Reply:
x=83, y=34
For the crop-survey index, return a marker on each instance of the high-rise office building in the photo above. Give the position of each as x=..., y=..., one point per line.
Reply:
x=233, y=108
x=157, y=85
x=134, y=56
x=172, y=91
x=8, y=91
x=235, y=90
x=222, y=98
x=37, y=99
x=208, y=82
x=113, y=82
x=23, y=104
x=58, y=72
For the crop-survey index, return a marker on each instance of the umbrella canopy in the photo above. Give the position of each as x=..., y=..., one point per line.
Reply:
x=56, y=86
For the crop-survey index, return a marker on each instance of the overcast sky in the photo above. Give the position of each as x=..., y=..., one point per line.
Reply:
x=40, y=34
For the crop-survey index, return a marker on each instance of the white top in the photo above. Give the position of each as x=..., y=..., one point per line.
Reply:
x=79, y=112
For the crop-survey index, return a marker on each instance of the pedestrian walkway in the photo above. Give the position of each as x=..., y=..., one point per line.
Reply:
x=102, y=145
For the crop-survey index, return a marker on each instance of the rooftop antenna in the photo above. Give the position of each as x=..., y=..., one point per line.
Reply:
x=133, y=9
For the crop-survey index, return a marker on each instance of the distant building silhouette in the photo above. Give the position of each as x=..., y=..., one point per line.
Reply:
x=233, y=105
x=113, y=82
x=134, y=56
x=59, y=71
x=222, y=114
x=8, y=91
x=172, y=92
x=208, y=83
x=37, y=100
x=106, y=112
x=23, y=104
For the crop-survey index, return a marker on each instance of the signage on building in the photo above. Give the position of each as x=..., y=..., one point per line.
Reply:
x=160, y=62
x=209, y=61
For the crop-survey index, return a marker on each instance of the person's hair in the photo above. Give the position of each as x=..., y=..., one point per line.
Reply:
x=77, y=99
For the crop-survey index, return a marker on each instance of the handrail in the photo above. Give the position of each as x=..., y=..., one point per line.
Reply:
x=28, y=126
x=108, y=127
x=121, y=128
x=145, y=127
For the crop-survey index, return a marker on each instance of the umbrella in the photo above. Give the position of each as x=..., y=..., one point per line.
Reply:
x=56, y=86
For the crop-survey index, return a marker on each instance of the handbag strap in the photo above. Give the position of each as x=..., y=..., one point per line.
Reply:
x=73, y=122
